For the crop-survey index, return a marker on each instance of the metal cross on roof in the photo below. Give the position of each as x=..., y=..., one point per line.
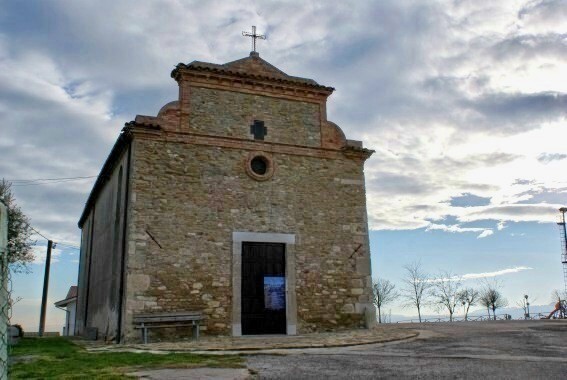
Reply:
x=254, y=37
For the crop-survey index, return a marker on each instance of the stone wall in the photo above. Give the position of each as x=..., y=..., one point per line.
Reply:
x=187, y=199
x=228, y=113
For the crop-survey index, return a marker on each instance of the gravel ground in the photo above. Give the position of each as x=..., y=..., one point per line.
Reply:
x=489, y=350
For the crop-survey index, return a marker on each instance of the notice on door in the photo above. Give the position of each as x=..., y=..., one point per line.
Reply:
x=274, y=293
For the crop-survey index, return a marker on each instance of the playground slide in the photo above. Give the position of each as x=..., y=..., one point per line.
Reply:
x=557, y=308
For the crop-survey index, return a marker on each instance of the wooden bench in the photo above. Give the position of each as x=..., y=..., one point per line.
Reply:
x=168, y=319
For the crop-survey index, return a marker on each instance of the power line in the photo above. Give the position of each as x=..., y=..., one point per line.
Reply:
x=37, y=232
x=41, y=183
x=45, y=181
x=67, y=245
x=48, y=179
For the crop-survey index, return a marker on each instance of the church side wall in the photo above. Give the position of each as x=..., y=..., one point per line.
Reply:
x=101, y=258
x=82, y=281
x=187, y=200
x=229, y=114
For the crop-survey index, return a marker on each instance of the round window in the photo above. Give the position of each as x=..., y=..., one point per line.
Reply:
x=260, y=166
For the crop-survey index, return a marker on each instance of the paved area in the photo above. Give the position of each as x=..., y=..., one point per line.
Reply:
x=194, y=374
x=488, y=350
x=263, y=343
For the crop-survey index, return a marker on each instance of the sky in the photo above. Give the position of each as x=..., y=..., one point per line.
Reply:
x=464, y=102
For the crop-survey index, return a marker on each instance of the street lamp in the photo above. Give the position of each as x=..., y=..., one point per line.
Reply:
x=527, y=303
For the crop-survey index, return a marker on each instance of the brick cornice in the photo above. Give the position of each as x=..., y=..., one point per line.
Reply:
x=254, y=84
x=359, y=154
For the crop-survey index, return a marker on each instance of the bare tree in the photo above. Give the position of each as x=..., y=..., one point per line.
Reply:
x=525, y=304
x=388, y=317
x=445, y=291
x=468, y=297
x=484, y=300
x=492, y=296
x=558, y=295
x=416, y=286
x=384, y=292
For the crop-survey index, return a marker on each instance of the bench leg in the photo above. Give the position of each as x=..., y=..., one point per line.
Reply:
x=144, y=333
x=196, y=331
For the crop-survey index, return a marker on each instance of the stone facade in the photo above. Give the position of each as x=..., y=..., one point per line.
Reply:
x=229, y=114
x=191, y=191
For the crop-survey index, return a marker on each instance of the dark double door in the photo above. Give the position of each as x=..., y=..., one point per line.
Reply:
x=263, y=288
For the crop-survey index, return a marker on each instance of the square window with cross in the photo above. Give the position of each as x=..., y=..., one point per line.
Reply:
x=258, y=130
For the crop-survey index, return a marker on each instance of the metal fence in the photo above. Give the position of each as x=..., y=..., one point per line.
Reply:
x=5, y=315
x=558, y=314
x=4, y=293
x=475, y=318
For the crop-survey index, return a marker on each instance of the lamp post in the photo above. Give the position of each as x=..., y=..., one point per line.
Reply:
x=527, y=307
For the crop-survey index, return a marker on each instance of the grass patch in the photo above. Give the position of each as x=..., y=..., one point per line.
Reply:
x=43, y=358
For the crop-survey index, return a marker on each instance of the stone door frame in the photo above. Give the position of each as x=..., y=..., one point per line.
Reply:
x=290, y=297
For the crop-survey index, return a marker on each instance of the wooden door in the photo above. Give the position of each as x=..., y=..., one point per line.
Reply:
x=263, y=288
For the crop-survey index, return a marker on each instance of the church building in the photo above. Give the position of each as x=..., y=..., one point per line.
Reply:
x=239, y=200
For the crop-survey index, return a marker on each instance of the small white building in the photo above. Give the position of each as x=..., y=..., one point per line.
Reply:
x=69, y=305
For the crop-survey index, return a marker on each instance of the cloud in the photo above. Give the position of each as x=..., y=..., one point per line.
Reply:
x=544, y=15
x=485, y=233
x=40, y=254
x=529, y=46
x=456, y=228
x=515, y=112
x=516, y=213
x=452, y=228
x=524, y=182
x=548, y=157
x=401, y=184
x=469, y=200
x=541, y=194
x=474, y=276
x=451, y=95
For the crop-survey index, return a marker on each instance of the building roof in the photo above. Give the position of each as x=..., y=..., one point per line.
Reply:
x=71, y=297
x=249, y=67
x=121, y=144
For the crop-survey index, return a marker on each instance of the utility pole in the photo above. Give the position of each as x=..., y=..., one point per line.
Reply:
x=45, y=286
x=563, y=238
